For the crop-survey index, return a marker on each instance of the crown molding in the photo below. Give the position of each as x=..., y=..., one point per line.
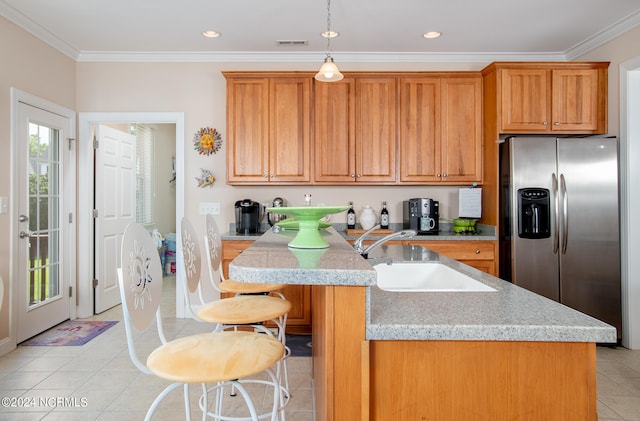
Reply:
x=311, y=57
x=37, y=31
x=623, y=25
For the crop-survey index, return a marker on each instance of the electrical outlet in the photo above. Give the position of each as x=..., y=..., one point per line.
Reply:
x=212, y=208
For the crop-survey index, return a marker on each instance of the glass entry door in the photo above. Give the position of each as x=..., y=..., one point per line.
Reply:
x=44, y=295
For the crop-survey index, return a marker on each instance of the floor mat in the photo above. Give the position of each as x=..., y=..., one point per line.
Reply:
x=69, y=333
x=300, y=345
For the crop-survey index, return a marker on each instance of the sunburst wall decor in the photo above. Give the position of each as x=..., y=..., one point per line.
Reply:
x=207, y=140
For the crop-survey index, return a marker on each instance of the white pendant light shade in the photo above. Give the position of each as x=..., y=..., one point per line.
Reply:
x=329, y=72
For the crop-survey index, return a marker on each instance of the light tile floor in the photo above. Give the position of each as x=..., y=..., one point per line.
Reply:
x=106, y=386
x=99, y=382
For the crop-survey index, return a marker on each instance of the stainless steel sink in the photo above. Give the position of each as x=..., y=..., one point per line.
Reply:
x=426, y=277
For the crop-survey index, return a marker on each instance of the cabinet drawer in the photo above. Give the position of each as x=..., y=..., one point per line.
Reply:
x=461, y=250
x=231, y=249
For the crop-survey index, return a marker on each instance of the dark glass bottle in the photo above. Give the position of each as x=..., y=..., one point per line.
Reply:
x=351, y=217
x=384, y=217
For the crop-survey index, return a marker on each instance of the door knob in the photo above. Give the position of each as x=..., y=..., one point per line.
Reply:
x=25, y=234
x=23, y=218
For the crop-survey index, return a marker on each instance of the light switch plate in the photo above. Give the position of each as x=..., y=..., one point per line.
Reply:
x=4, y=204
x=212, y=208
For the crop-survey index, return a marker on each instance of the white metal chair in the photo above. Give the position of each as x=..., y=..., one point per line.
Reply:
x=217, y=358
x=213, y=249
x=241, y=310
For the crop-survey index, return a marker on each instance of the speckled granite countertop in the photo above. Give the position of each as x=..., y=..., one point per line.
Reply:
x=510, y=313
x=269, y=260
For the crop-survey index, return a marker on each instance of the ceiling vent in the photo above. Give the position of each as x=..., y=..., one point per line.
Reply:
x=292, y=43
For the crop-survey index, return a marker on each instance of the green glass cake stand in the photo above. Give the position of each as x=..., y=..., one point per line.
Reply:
x=308, y=218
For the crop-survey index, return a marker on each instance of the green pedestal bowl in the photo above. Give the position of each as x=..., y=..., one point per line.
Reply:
x=308, y=218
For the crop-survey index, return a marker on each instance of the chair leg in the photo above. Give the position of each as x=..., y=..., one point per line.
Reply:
x=187, y=403
x=205, y=401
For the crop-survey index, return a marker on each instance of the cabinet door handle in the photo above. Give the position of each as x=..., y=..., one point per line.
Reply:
x=240, y=251
x=478, y=251
x=359, y=175
x=557, y=123
x=545, y=123
x=353, y=176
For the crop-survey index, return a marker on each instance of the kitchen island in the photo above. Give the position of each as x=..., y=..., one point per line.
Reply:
x=379, y=355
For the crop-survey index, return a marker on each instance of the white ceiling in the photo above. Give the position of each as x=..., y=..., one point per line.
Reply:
x=370, y=30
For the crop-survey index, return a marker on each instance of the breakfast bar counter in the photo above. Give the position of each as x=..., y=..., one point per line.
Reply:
x=510, y=313
x=380, y=355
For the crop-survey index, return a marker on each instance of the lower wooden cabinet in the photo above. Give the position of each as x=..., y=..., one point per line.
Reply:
x=299, y=319
x=480, y=254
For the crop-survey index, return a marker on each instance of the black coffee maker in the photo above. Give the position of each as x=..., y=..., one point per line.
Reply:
x=248, y=216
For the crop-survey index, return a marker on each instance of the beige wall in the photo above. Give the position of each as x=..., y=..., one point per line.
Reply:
x=199, y=90
x=616, y=51
x=33, y=67
x=164, y=213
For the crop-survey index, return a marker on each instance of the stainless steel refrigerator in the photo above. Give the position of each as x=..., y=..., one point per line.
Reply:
x=559, y=221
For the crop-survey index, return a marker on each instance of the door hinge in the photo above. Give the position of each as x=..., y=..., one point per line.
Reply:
x=96, y=143
x=70, y=143
x=70, y=291
x=95, y=283
x=70, y=218
x=94, y=213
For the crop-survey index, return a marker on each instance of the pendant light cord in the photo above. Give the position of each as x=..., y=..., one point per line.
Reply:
x=328, y=28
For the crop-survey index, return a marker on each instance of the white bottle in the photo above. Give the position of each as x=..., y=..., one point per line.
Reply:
x=367, y=217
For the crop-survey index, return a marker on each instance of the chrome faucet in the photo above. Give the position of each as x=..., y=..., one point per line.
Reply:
x=364, y=251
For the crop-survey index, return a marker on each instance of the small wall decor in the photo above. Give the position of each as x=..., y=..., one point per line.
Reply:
x=207, y=141
x=206, y=178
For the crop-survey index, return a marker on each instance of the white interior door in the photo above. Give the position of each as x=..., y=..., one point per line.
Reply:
x=44, y=191
x=115, y=189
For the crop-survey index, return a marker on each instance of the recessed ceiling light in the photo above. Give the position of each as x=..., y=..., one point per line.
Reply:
x=330, y=34
x=432, y=34
x=211, y=34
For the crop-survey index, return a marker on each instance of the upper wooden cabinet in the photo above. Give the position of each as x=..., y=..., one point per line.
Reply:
x=441, y=129
x=268, y=128
x=550, y=97
x=355, y=130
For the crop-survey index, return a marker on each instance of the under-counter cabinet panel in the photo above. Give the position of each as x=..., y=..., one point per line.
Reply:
x=551, y=98
x=355, y=130
x=299, y=318
x=268, y=129
x=480, y=254
x=441, y=129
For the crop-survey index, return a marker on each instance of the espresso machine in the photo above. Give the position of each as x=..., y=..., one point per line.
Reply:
x=421, y=215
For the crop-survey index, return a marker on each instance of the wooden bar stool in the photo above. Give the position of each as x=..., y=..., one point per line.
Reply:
x=217, y=358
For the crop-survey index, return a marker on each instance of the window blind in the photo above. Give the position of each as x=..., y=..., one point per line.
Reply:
x=144, y=173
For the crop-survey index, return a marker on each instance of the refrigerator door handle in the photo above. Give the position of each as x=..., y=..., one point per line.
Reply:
x=565, y=213
x=556, y=233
